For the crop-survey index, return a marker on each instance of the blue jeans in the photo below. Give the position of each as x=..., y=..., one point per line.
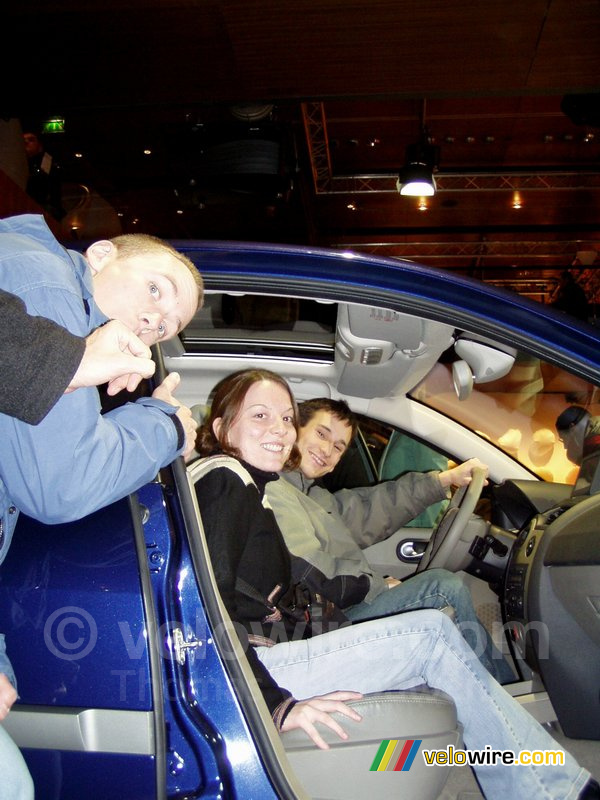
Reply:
x=405, y=650
x=15, y=780
x=437, y=588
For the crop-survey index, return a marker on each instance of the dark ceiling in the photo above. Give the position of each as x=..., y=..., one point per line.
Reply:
x=288, y=121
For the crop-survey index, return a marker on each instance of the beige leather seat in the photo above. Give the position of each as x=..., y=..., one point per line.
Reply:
x=344, y=771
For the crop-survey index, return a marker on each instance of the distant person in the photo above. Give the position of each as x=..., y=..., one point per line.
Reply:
x=570, y=297
x=579, y=432
x=44, y=184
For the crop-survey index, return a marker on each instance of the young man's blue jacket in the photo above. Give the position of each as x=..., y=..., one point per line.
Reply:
x=77, y=459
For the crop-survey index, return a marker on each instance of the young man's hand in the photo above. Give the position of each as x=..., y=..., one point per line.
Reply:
x=164, y=392
x=114, y=355
x=463, y=474
x=391, y=582
x=8, y=695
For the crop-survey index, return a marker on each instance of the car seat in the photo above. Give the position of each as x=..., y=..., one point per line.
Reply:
x=422, y=716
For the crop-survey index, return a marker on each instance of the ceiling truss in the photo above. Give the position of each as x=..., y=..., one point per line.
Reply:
x=325, y=182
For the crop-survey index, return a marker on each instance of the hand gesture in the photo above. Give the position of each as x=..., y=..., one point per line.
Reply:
x=164, y=392
x=319, y=709
x=113, y=354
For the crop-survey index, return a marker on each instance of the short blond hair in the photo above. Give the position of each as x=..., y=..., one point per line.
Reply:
x=139, y=244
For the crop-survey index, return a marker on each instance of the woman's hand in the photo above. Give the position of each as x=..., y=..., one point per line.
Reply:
x=318, y=709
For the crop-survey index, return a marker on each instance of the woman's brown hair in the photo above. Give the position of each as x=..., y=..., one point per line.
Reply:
x=226, y=404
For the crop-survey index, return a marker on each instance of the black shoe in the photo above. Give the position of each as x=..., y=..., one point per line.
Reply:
x=591, y=791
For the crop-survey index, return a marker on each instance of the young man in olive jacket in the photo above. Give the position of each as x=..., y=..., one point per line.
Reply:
x=326, y=531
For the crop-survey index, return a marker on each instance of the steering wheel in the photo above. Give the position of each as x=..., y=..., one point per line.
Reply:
x=449, y=529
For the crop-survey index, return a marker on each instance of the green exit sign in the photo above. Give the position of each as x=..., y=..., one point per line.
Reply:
x=54, y=125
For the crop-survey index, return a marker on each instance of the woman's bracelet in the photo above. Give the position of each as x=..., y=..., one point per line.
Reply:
x=281, y=712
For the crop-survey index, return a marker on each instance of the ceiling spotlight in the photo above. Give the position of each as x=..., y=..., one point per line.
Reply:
x=416, y=176
x=421, y=161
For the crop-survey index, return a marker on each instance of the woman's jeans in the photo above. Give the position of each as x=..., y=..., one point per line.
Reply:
x=437, y=588
x=402, y=651
x=15, y=780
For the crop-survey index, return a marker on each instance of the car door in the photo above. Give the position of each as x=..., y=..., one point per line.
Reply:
x=77, y=624
x=122, y=682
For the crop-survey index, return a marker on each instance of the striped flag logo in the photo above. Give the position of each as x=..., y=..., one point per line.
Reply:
x=395, y=755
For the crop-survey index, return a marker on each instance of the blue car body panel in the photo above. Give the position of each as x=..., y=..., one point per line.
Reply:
x=81, y=597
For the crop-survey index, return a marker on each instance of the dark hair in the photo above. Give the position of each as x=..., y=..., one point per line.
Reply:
x=227, y=401
x=570, y=417
x=339, y=409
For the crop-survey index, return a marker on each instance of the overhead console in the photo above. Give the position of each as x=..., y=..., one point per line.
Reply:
x=381, y=352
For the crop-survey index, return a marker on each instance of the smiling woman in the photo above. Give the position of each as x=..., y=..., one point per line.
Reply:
x=254, y=417
x=263, y=432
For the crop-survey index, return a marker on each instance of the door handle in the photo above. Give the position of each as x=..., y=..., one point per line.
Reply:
x=410, y=549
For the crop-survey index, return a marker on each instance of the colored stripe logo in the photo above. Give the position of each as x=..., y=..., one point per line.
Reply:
x=395, y=755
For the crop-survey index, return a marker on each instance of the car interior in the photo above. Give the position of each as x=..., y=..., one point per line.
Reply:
x=525, y=541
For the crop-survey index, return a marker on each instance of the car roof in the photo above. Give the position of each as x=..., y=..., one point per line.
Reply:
x=344, y=276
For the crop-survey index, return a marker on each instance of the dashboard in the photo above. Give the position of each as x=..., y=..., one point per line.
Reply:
x=551, y=599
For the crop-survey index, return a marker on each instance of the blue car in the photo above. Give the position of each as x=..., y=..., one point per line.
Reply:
x=131, y=681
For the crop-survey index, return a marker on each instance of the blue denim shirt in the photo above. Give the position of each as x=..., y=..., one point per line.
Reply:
x=76, y=460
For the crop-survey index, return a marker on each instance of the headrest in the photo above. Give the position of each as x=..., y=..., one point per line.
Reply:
x=570, y=417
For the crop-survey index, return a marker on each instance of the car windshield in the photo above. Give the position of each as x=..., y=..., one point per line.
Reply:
x=517, y=412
